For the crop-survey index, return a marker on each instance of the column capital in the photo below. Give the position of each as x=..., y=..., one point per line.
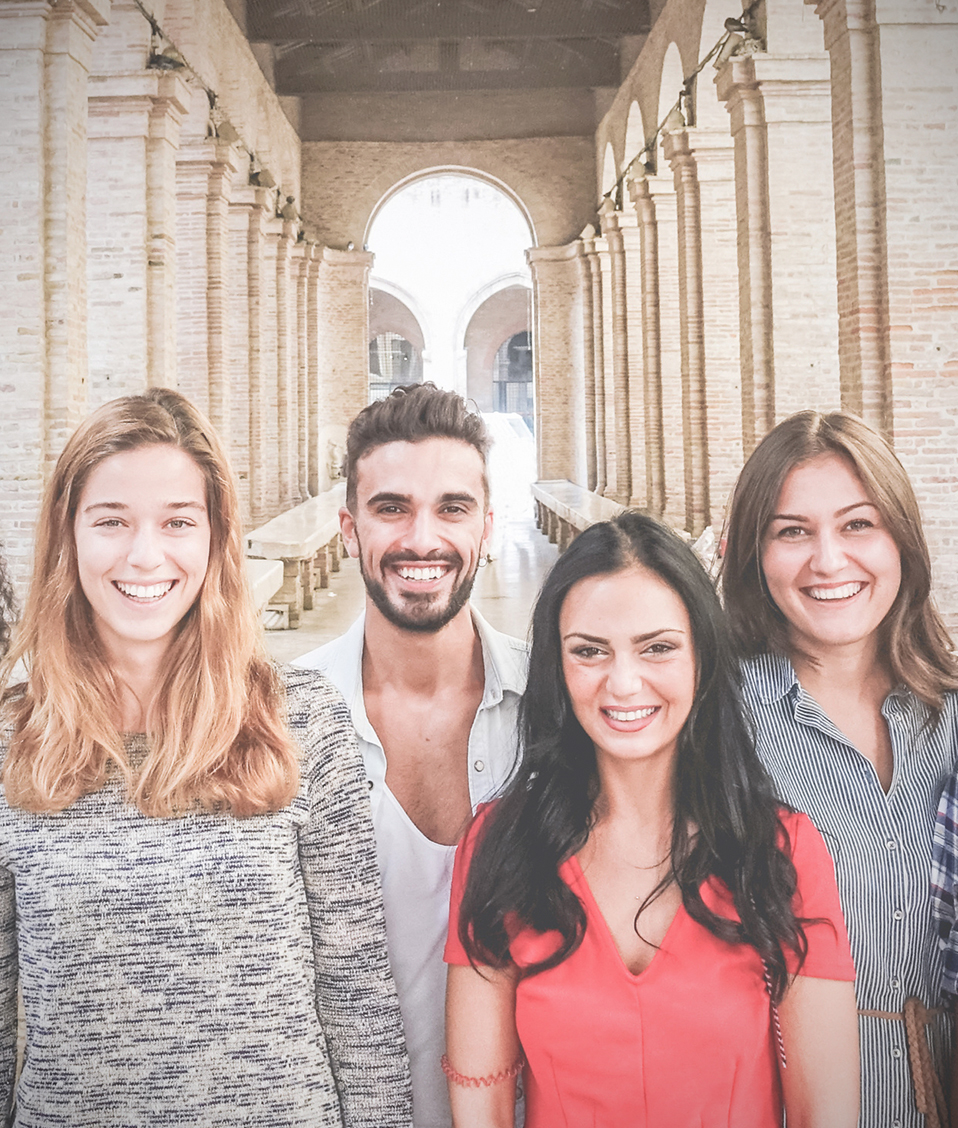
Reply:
x=348, y=260
x=535, y=256
x=91, y=15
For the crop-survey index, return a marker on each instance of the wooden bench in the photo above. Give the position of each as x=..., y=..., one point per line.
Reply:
x=306, y=539
x=564, y=510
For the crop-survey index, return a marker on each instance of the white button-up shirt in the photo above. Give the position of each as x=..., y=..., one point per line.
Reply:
x=417, y=872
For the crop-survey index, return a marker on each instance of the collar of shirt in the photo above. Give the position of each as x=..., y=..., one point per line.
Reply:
x=491, y=750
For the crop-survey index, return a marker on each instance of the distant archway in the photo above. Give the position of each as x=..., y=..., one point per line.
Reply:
x=496, y=320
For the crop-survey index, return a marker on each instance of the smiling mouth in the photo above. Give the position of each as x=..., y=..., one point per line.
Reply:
x=422, y=575
x=630, y=714
x=827, y=595
x=145, y=593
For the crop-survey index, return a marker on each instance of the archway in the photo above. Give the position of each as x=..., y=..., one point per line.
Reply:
x=438, y=238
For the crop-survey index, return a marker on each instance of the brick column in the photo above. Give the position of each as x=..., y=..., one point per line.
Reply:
x=255, y=203
x=282, y=236
x=691, y=329
x=557, y=353
x=238, y=340
x=612, y=223
x=715, y=174
x=169, y=106
x=45, y=53
x=204, y=184
x=739, y=89
x=661, y=189
x=301, y=252
x=311, y=410
x=595, y=371
x=853, y=44
x=651, y=353
x=588, y=353
x=343, y=301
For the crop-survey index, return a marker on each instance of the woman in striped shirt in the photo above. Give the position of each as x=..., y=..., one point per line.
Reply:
x=849, y=671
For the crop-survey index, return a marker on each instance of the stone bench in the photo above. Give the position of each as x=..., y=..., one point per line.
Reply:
x=265, y=579
x=306, y=539
x=564, y=509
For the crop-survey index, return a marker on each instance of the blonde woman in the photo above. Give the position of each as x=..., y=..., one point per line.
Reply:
x=851, y=679
x=188, y=886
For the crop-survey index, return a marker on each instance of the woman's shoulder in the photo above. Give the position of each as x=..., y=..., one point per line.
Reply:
x=318, y=718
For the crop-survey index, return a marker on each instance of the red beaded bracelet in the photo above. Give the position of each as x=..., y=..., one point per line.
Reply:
x=458, y=1078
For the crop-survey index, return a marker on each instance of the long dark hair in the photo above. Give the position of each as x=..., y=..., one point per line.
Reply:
x=726, y=821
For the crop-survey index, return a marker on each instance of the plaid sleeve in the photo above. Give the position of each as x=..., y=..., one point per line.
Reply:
x=944, y=883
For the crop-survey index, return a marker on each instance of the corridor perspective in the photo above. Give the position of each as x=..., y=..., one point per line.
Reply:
x=640, y=231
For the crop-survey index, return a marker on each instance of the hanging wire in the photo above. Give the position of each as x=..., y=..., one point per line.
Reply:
x=615, y=193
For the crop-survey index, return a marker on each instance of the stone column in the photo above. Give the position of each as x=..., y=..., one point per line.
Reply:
x=691, y=327
x=588, y=354
x=167, y=111
x=854, y=47
x=311, y=410
x=595, y=371
x=302, y=253
x=739, y=89
x=286, y=363
x=661, y=190
x=612, y=223
x=557, y=352
x=204, y=178
x=343, y=302
x=256, y=204
x=651, y=342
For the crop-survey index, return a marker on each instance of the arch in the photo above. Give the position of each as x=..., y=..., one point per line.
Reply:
x=495, y=320
x=482, y=295
x=610, y=171
x=395, y=311
x=634, y=132
x=671, y=81
x=450, y=170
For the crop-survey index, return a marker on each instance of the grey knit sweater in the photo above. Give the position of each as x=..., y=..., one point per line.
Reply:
x=204, y=970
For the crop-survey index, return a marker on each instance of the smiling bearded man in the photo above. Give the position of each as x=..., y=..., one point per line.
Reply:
x=432, y=687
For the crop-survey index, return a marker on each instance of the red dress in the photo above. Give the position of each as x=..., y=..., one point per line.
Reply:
x=686, y=1043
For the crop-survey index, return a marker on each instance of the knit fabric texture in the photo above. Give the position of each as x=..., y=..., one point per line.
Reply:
x=204, y=970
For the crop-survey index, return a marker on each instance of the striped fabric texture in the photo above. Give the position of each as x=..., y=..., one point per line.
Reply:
x=944, y=884
x=881, y=845
x=204, y=970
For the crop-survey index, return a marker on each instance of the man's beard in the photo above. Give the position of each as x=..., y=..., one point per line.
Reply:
x=422, y=613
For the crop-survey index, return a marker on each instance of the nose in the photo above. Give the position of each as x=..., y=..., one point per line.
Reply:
x=423, y=534
x=828, y=554
x=624, y=677
x=146, y=549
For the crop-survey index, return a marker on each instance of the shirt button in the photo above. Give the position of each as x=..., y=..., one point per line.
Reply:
x=896, y=1052
x=369, y=784
x=479, y=765
x=896, y=1124
x=891, y=844
x=896, y=984
x=898, y=914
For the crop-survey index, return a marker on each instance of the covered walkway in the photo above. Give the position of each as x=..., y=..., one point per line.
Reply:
x=731, y=215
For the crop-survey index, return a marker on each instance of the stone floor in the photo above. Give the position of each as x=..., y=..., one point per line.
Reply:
x=504, y=593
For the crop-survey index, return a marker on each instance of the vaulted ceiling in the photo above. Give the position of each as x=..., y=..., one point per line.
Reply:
x=322, y=46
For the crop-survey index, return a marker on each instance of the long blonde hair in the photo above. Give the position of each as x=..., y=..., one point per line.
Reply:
x=916, y=644
x=216, y=725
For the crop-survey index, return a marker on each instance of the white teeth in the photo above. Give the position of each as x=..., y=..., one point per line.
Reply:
x=629, y=714
x=421, y=573
x=843, y=592
x=141, y=591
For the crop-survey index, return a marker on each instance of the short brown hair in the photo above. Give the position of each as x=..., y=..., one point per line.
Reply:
x=411, y=414
x=916, y=642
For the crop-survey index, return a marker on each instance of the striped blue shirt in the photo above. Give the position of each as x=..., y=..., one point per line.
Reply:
x=881, y=845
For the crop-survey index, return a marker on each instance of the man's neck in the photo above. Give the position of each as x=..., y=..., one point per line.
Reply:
x=420, y=662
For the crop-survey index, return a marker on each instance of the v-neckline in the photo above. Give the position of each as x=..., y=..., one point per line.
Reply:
x=599, y=916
